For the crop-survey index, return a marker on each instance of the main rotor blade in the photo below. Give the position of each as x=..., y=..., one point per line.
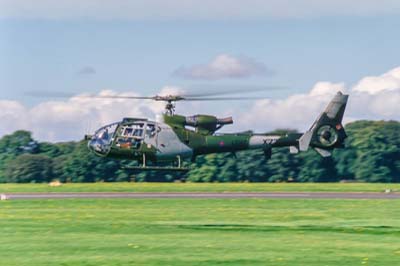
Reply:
x=201, y=96
x=114, y=97
x=224, y=98
x=51, y=94
x=216, y=90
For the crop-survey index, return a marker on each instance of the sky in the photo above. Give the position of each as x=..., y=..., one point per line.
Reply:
x=307, y=49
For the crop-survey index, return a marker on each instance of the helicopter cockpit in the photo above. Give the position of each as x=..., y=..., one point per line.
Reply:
x=130, y=135
x=102, y=139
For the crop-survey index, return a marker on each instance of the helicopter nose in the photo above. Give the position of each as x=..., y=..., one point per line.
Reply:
x=91, y=145
x=97, y=146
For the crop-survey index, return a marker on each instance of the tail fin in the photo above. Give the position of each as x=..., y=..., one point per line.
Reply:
x=327, y=132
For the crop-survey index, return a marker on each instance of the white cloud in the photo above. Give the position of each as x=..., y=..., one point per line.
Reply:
x=297, y=112
x=12, y=116
x=389, y=81
x=223, y=66
x=327, y=88
x=193, y=9
x=72, y=118
x=376, y=98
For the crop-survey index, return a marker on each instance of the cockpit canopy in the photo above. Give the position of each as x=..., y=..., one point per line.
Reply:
x=127, y=134
x=102, y=139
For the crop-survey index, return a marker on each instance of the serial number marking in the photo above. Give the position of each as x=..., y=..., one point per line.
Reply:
x=269, y=141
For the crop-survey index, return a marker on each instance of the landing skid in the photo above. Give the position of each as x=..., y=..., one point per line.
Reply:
x=145, y=167
x=157, y=168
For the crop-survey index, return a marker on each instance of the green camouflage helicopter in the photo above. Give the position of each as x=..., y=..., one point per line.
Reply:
x=179, y=137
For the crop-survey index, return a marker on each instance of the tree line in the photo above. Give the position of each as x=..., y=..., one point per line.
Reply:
x=372, y=154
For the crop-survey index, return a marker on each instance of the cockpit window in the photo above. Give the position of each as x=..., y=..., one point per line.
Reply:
x=128, y=132
x=133, y=130
x=150, y=130
x=106, y=132
x=103, y=138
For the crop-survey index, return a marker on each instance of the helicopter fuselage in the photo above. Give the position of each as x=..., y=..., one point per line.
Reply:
x=136, y=138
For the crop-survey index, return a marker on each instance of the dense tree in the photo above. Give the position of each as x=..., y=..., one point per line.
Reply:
x=19, y=142
x=13, y=145
x=29, y=168
x=84, y=166
x=315, y=168
x=372, y=155
x=206, y=169
x=228, y=172
x=58, y=149
x=251, y=166
x=376, y=146
x=283, y=166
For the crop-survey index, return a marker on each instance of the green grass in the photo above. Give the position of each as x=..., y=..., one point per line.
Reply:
x=199, y=232
x=199, y=187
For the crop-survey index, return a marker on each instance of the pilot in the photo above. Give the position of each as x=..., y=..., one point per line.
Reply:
x=151, y=130
x=104, y=134
x=138, y=132
x=128, y=131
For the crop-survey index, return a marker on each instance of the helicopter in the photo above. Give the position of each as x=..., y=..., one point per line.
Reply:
x=177, y=138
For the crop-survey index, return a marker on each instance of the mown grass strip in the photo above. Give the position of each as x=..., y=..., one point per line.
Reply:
x=201, y=187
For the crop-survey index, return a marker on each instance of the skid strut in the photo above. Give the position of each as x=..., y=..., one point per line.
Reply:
x=144, y=167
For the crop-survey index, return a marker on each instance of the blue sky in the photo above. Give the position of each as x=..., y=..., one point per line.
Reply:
x=76, y=54
x=142, y=55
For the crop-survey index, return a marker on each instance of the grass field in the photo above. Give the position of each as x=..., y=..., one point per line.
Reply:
x=199, y=187
x=199, y=232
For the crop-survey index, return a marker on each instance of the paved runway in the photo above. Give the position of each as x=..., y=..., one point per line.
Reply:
x=202, y=195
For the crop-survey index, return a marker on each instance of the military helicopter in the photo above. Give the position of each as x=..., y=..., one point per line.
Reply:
x=179, y=138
